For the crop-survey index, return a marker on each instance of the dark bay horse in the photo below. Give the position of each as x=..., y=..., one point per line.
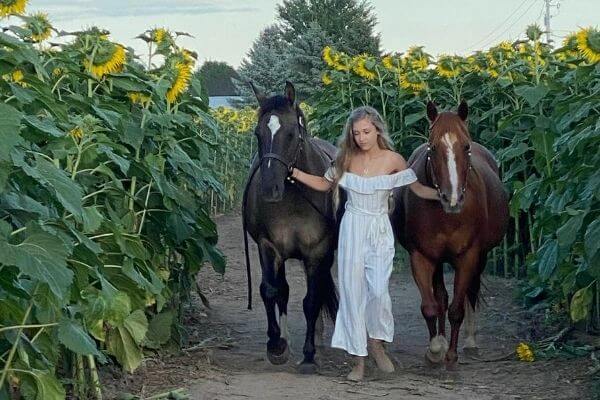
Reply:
x=290, y=221
x=470, y=221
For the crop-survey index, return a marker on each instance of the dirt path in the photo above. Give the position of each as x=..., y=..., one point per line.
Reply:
x=227, y=359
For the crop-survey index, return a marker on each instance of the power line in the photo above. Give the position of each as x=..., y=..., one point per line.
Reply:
x=510, y=26
x=497, y=27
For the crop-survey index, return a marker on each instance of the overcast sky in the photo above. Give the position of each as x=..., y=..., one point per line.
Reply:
x=225, y=29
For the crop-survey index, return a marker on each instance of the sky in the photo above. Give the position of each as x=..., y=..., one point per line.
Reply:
x=224, y=30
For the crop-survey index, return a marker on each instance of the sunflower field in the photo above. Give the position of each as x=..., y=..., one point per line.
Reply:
x=231, y=156
x=536, y=108
x=105, y=165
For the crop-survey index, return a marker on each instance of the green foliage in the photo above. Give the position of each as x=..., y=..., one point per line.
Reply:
x=103, y=220
x=216, y=78
x=291, y=49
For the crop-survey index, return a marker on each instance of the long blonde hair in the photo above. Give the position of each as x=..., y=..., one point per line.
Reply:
x=346, y=143
x=348, y=147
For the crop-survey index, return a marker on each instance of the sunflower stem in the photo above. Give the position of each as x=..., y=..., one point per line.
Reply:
x=13, y=349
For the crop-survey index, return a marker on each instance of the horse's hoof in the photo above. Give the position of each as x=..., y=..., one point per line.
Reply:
x=431, y=364
x=471, y=352
x=279, y=355
x=452, y=365
x=306, y=368
x=451, y=361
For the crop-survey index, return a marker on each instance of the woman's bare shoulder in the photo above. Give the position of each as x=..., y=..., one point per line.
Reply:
x=396, y=161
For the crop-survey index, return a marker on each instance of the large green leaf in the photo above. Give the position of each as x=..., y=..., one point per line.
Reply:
x=41, y=385
x=42, y=257
x=532, y=94
x=137, y=325
x=68, y=192
x=119, y=307
x=580, y=303
x=75, y=338
x=92, y=219
x=121, y=344
x=592, y=239
x=10, y=122
x=159, y=330
x=567, y=233
x=45, y=125
x=547, y=258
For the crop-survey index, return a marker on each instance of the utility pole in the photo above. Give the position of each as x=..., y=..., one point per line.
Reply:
x=547, y=16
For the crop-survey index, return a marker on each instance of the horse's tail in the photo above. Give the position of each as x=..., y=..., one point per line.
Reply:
x=330, y=296
x=244, y=228
x=474, y=290
x=248, y=271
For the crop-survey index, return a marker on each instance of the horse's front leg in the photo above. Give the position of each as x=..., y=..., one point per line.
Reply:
x=441, y=296
x=271, y=290
x=318, y=282
x=423, y=270
x=466, y=268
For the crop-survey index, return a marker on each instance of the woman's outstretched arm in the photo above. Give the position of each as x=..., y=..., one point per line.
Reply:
x=312, y=181
x=417, y=188
x=423, y=191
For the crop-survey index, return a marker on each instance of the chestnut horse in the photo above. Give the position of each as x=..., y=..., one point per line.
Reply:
x=468, y=221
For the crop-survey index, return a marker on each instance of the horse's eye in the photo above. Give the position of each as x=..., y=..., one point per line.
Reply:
x=432, y=149
x=467, y=147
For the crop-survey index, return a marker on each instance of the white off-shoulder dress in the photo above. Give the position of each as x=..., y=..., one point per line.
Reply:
x=365, y=256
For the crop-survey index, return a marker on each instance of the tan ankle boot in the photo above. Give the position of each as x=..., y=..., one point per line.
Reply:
x=358, y=372
x=381, y=359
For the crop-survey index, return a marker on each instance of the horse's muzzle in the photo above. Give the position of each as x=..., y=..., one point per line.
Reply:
x=273, y=193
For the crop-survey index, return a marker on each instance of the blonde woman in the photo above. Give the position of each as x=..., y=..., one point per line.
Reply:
x=368, y=169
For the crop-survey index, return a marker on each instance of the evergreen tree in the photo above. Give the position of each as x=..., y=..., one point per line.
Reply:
x=216, y=77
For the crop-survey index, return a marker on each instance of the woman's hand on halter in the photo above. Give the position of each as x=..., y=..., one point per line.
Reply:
x=417, y=188
x=312, y=181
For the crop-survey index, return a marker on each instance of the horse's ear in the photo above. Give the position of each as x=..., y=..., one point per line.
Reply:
x=432, y=111
x=290, y=92
x=463, y=110
x=259, y=95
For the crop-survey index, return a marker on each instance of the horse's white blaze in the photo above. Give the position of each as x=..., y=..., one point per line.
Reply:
x=470, y=326
x=449, y=140
x=284, y=327
x=274, y=126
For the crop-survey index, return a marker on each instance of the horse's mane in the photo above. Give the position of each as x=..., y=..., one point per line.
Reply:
x=276, y=103
x=448, y=122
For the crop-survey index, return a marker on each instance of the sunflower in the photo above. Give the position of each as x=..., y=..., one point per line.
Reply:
x=588, y=43
x=569, y=51
x=327, y=57
x=524, y=352
x=76, y=133
x=326, y=79
x=335, y=59
x=359, y=66
x=533, y=32
x=159, y=34
x=419, y=63
x=393, y=63
x=448, y=66
x=17, y=76
x=412, y=82
x=8, y=7
x=183, y=64
x=139, y=98
x=109, y=58
x=40, y=27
